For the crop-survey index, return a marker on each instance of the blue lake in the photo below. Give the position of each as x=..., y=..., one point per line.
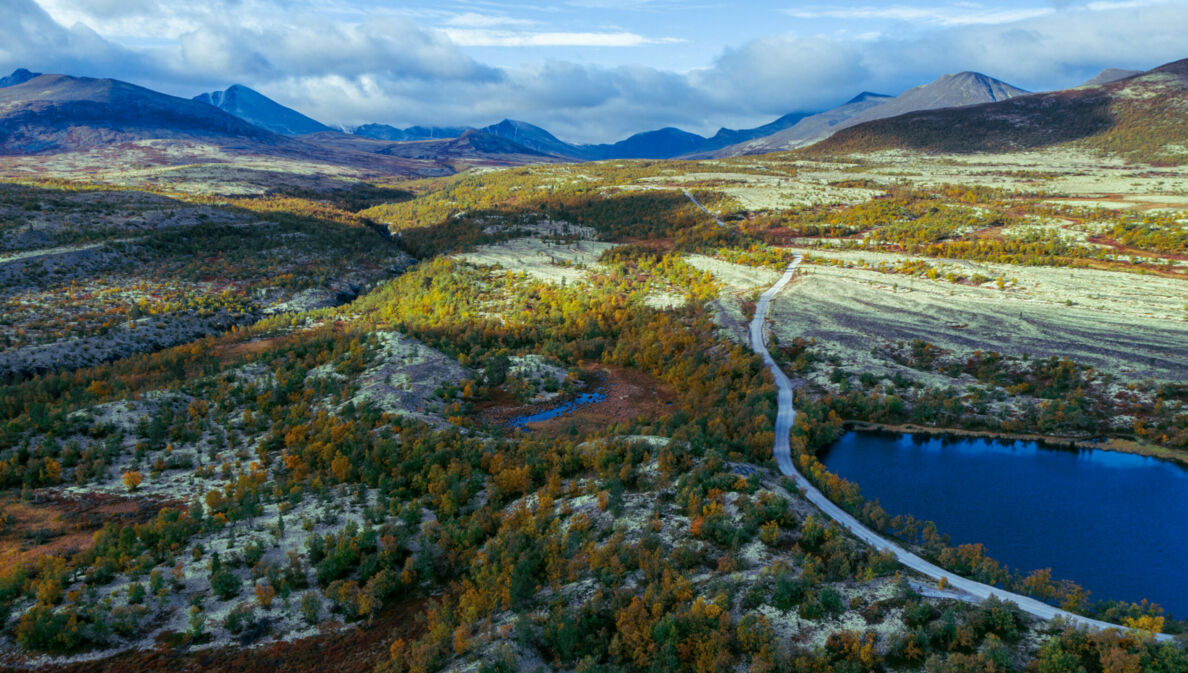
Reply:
x=560, y=410
x=1115, y=523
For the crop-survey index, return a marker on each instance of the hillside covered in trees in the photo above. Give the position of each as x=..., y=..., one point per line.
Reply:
x=339, y=474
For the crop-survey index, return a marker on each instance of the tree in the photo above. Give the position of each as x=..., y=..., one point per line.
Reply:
x=197, y=622
x=264, y=594
x=311, y=607
x=341, y=467
x=495, y=372
x=132, y=479
x=224, y=583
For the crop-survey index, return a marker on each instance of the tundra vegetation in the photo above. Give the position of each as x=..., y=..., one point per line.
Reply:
x=313, y=446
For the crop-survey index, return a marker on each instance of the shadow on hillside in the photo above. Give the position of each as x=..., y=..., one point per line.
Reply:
x=1024, y=123
x=625, y=217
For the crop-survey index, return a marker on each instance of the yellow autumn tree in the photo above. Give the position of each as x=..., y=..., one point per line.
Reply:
x=132, y=479
x=341, y=467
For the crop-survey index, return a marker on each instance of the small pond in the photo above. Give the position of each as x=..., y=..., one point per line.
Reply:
x=559, y=410
x=1115, y=523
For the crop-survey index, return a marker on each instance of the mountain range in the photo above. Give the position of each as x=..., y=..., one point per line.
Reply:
x=966, y=111
x=790, y=131
x=664, y=143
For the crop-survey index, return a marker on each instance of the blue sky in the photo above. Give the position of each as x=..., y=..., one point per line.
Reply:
x=589, y=70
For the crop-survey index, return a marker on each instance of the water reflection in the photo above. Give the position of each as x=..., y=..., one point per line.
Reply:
x=1116, y=523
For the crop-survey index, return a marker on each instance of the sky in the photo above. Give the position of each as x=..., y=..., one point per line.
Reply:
x=587, y=70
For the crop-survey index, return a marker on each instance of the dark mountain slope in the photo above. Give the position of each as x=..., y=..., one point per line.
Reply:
x=59, y=113
x=1143, y=117
x=964, y=88
x=18, y=76
x=536, y=139
x=472, y=147
x=260, y=110
x=664, y=143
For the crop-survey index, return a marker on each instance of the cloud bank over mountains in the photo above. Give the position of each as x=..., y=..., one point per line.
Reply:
x=349, y=62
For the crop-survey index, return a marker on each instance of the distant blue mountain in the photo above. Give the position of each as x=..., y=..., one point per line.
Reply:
x=536, y=138
x=665, y=143
x=18, y=76
x=726, y=137
x=260, y=110
x=386, y=132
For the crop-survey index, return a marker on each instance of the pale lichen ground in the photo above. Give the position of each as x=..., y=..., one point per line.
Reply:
x=1130, y=325
x=775, y=192
x=550, y=261
x=406, y=377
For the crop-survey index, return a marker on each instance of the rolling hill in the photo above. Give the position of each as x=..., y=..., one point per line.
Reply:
x=1143, y=117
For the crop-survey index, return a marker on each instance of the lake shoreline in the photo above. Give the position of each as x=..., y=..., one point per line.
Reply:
x=1032, y=506
x=1050, y=441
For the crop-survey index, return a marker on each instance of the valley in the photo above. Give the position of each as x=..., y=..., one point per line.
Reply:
x=409, y=402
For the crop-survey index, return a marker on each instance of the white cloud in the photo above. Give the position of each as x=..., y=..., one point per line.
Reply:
x=350, y=68
x=962, y=15
x=29, y=37
x=467, y=37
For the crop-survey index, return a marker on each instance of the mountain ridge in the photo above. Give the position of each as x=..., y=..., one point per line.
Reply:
x=664, y=143
x=1142, y=117
x=950, y=90
x=59, y=112
x=18, y=76
x=806, y=130
x=260, y=110
x=410, y=134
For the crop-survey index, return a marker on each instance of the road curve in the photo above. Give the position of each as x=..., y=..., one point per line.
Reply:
x=783, y=455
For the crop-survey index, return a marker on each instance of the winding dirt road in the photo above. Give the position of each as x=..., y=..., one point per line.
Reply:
x=783, y=456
